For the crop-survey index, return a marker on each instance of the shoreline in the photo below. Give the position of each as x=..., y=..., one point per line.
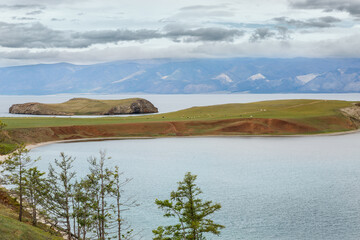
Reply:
x=36, y=145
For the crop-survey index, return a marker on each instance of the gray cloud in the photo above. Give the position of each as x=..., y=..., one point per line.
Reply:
x=36, y=35
x=57, y=19
x=27, y=35
x=350, y=6
x=111, y=36
x=202, y=7
x=279, y=32
x=24, y=18
x=343, y=47
x=36, y=12
x=201, y=12
x=177, y=32
x=261, y=34
x=283, y=33
x=322, y=22
x=22, y=6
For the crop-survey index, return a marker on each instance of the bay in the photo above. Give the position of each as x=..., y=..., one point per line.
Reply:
x=269, y=187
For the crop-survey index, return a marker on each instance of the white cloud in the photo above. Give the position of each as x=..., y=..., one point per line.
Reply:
x=87, y=31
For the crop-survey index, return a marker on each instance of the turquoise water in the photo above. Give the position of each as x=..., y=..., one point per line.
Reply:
x=269, y=187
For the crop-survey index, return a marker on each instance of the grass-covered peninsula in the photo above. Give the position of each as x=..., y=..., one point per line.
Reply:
x=280, y=117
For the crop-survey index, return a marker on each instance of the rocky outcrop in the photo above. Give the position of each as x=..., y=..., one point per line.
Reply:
x=352, y=111
x=77, y=106
x=34, y=108
x=136, y=107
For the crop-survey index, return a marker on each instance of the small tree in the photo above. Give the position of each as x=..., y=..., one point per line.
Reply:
x=84, y=207
x=60, y=191
x=14, y=168
x=123, y=232
x=34, y=189
x=191, y=212
x=102, y=184
x=108, y=204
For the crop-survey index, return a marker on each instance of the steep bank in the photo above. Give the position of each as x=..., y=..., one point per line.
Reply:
x=85, y=106
x=230, y=127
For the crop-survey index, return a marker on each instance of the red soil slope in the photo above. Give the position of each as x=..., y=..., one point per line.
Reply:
x=242, y=126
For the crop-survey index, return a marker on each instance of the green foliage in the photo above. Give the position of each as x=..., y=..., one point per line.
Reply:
x=2, y=126
x=191, y=211
x=124, y=231
x=58, y=198
x=84, y=207
x=35, y=189
x=14, y=169
x=90, y=208
x=6, y=148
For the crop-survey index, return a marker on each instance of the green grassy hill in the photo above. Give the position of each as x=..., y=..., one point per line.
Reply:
x=281, y=117
x=86, y=106
x=12, y=229
x=302, y=110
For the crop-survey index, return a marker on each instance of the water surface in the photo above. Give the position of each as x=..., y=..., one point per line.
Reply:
x=269, y=187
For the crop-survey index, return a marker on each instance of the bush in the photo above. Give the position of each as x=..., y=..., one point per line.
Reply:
x=6, y=148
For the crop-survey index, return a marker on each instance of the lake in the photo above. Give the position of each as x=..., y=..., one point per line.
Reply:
x=269, y=187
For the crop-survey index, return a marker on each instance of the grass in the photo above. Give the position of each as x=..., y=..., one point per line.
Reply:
x=297, y=110
x=12, y=229
x=85, y=106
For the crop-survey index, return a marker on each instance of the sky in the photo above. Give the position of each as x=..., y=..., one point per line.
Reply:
x=93, y=31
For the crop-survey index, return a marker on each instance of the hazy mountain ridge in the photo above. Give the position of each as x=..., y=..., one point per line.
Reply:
x=255, y=75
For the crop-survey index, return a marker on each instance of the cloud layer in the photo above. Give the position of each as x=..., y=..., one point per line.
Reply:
x=52, y=31
x=350, y=6
x=36, y=35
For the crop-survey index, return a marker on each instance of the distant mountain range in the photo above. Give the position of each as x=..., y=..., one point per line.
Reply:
x=235, y=75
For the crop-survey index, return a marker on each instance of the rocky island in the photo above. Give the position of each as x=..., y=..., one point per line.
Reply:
x=85, y=106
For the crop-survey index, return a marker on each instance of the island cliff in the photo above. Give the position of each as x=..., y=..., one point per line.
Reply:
x=85, y=106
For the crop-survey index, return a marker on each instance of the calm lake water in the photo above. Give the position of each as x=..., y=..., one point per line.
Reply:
x=269, y=187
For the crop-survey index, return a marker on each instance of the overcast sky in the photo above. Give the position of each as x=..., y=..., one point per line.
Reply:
x=91, y=31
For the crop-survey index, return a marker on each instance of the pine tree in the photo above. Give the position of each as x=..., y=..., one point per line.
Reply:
x=123, y=232
x=14, y=168
x=102, y=184
x=191, y=212
x=34, y=189
x=60, y=191
x=108, y=204
x=84, y=211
